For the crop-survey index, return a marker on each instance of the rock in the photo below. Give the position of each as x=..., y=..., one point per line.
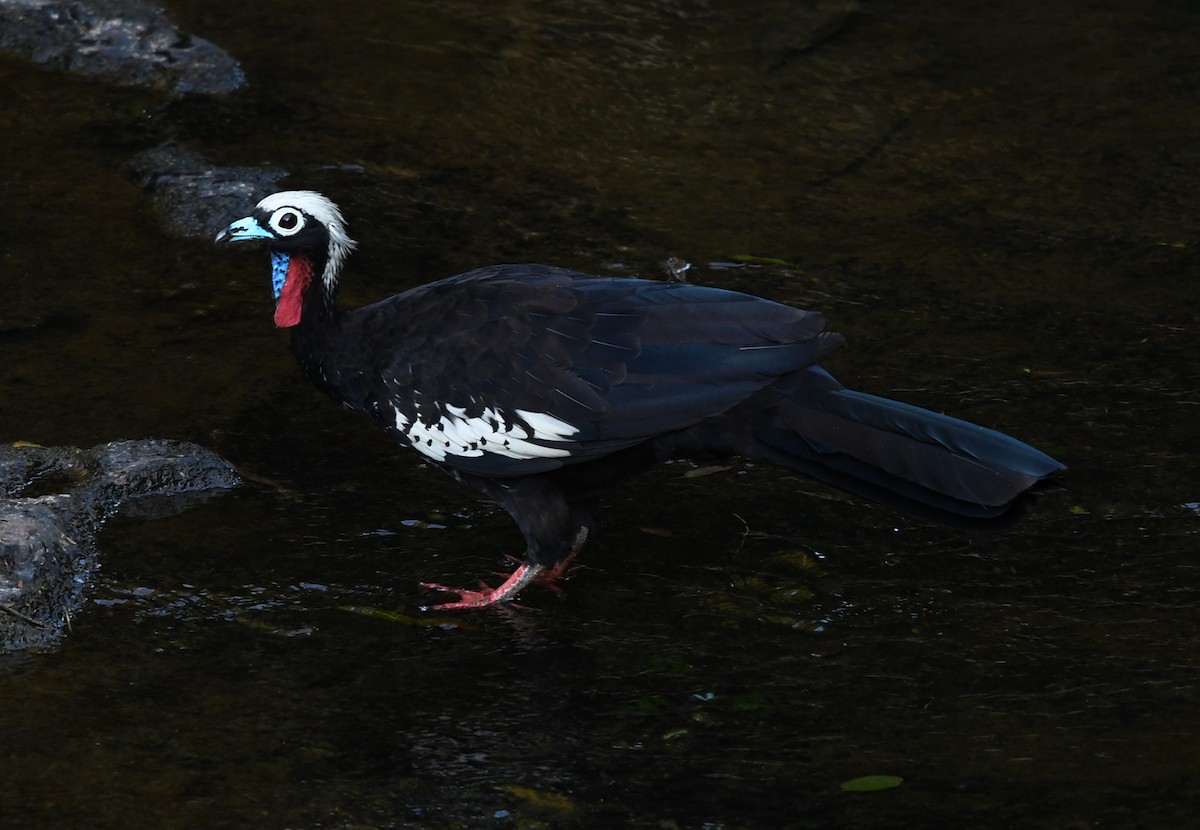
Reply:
x=48, y=542
x=195, y=198
x=127, y=42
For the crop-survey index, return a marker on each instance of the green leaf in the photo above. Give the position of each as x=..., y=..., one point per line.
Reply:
x=544, y=799
x=751, y=259
x=871, y=783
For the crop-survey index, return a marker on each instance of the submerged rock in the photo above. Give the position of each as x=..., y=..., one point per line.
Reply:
x=194, y=197
x=47, y=542
x=127, y=42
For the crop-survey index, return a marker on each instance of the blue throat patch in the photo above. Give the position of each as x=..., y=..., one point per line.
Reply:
x=279, y=266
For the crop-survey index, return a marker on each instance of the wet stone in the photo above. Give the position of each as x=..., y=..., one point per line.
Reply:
x=125, y=42
x=194, y=197
x=53, y=501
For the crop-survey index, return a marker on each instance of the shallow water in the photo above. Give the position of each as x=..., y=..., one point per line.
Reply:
x=995, y=204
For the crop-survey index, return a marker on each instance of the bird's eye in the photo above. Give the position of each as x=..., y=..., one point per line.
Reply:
x=286, y=221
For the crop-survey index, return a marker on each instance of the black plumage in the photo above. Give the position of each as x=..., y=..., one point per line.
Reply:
x=538, y=386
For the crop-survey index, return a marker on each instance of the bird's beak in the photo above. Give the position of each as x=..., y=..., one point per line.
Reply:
x=242, y=229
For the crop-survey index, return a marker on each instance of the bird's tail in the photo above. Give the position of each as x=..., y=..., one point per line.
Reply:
x=919, y=462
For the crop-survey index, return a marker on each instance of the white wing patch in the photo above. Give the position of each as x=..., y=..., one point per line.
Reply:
x=458, y=435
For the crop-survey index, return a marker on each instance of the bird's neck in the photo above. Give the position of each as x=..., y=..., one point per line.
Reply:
x=303, y=288
x=307, y=305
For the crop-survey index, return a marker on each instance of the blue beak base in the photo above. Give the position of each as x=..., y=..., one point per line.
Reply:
x=243, y=229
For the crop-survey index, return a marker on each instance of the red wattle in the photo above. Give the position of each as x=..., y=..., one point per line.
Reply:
x=291, y=298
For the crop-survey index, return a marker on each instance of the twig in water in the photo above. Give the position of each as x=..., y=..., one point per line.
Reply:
x=8, y=609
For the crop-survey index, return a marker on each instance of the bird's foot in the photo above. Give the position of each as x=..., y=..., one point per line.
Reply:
x=518, y=579
x=567, y=566
x=488, y=597
x=551, y=575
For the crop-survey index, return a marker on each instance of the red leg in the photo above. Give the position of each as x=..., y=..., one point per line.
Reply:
x=509, y=589
x=521, y=577
x=564, y=566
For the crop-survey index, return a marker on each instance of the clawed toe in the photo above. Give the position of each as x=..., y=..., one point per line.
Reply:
x=488, y=597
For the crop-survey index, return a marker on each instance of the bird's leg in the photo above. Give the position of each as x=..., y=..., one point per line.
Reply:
x=509, y=589
x=565, y=566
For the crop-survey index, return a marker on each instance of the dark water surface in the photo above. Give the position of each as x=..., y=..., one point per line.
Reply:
x=995, y=202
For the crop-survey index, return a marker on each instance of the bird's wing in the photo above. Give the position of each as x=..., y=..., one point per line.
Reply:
x=520, y=369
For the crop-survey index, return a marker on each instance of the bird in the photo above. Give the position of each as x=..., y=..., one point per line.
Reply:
x=540, y=387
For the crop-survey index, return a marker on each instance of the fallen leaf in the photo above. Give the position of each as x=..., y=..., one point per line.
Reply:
x=871, y=783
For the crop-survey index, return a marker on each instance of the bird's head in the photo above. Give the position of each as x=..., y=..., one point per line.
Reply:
x=307, y=236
